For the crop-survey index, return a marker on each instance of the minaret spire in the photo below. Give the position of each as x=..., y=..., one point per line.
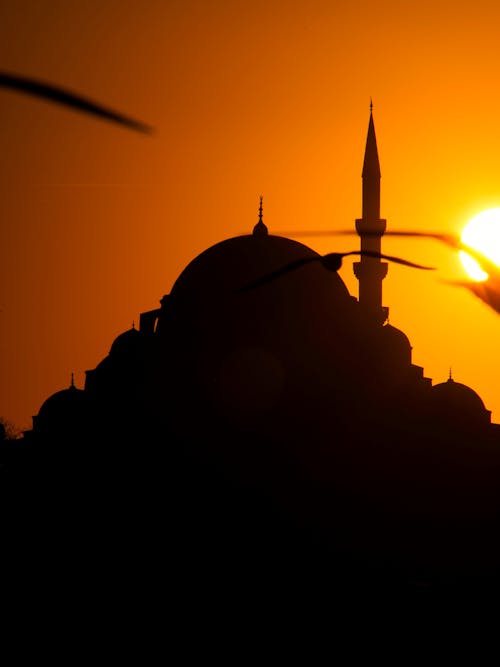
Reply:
x=371, y=271
x=371, y=175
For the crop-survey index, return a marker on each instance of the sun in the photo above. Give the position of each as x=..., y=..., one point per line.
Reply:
x=482, y=232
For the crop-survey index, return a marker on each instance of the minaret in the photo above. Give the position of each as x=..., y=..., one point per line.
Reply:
x=371, y=271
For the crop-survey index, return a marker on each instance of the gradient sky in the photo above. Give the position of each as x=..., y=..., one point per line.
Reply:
x=248, y=98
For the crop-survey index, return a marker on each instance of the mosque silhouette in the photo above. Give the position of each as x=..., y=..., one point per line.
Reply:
x=289, y=423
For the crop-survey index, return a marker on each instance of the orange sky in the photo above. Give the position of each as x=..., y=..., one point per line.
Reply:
x=248, y=98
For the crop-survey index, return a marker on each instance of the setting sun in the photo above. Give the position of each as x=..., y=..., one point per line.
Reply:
x=482, y=233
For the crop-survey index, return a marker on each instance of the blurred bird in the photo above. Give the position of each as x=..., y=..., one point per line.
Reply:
x=332, y=262
x=64, y=97
x=488, y=291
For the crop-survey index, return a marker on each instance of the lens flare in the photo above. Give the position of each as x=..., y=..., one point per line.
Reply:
x=482, y=233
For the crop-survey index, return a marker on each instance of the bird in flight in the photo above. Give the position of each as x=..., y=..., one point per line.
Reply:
x=488, y=291
x=47, y=91
x=332, y=262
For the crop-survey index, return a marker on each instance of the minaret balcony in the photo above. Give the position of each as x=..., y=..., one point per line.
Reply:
x=371, y=227
x=370, y=270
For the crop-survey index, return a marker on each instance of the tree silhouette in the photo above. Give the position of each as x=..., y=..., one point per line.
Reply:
x=8, y=430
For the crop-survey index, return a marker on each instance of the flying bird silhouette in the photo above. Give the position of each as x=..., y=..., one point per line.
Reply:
x=70, y=99
x=332, y=262
x=488, y=291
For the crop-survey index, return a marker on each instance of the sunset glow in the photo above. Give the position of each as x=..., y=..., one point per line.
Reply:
x=482, y=233
x=97, y=222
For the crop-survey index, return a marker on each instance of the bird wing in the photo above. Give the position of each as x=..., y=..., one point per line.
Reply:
x=488, y=291
x=454, y=241
x=65, y=97
x=484, y=262
x=280, y=272
x=450, y=239
x=390, y=258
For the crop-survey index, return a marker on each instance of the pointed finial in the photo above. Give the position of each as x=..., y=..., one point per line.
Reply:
x=371, y=105
x=371, y=164
x=260, y=228
x=72, y=385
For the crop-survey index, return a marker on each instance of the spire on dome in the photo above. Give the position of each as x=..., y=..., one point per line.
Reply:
x=260, y=228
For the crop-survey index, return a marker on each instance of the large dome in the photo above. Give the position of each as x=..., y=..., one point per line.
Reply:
x=308, y=307
x=236, y=262
x=209, y=299
x=267, y=348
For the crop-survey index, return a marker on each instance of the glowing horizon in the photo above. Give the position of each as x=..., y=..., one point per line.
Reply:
x=275, y=102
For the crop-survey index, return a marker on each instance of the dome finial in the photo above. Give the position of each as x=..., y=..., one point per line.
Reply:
x=72, y=385
x=450, y=378
x=260, y=228
x=133, y=324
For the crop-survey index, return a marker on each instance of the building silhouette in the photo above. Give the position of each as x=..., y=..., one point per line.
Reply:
x=290, y=419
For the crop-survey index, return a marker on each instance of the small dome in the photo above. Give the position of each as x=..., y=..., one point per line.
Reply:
x=395, y=345
x=456, y=392
x=63, y=411
x=127, y=343
x=396, y=336
x=459, y=402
